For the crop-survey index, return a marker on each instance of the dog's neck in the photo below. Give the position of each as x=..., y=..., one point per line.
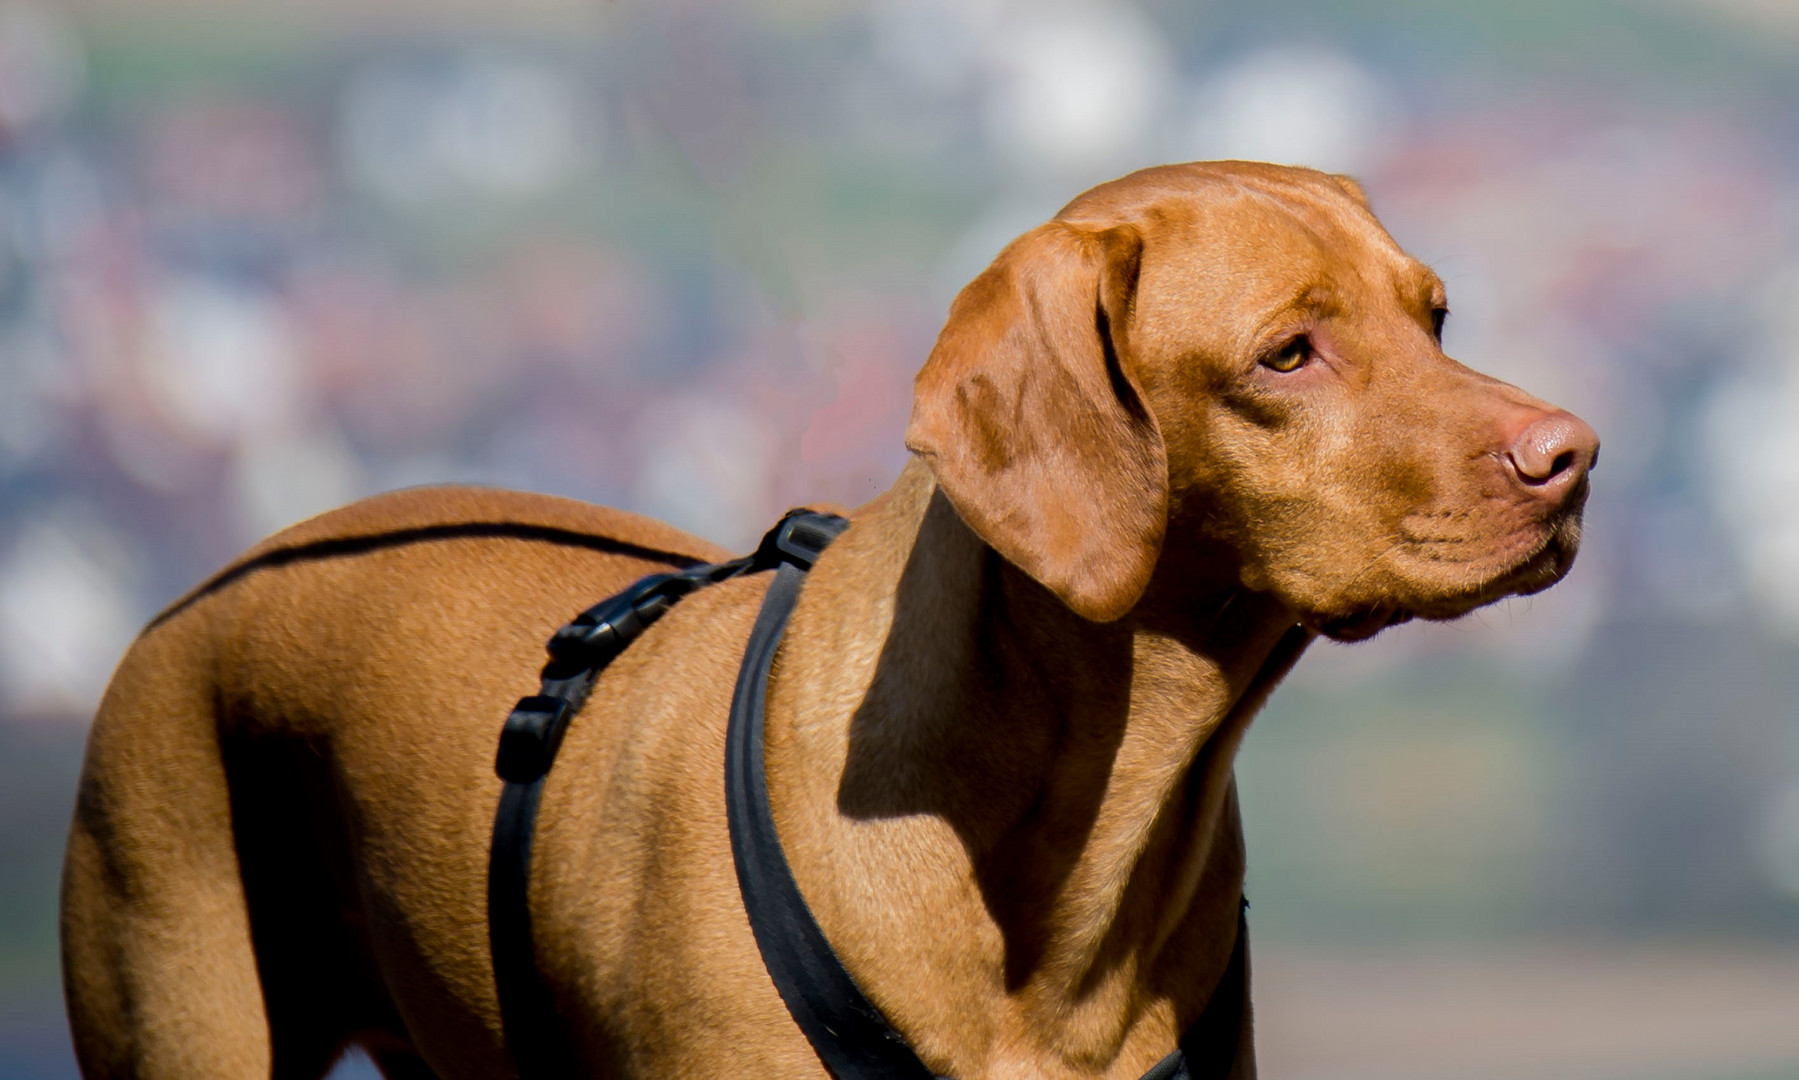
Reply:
x=1048, y=792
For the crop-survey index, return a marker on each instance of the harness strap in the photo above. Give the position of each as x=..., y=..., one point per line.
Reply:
x=847, y=1031
x=533, y=734
x=1208, y=1048
x=849, y=1034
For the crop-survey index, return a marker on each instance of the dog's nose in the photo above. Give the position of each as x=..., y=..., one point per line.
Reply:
x=1553, y=452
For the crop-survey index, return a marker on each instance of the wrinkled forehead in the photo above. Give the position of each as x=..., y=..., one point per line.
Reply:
x=1257, y=235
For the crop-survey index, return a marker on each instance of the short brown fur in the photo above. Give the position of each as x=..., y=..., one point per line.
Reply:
x=1001, y=728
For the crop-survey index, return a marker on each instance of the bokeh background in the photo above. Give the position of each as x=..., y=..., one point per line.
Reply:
x=259, y=260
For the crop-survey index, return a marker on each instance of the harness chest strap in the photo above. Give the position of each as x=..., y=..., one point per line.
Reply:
x=847, y=1031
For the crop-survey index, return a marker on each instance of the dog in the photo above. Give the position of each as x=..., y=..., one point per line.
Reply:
x=1164, y=442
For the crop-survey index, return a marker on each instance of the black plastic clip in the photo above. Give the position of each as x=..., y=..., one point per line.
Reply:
x=602, y=631
x=799, y=539
x=528, y=741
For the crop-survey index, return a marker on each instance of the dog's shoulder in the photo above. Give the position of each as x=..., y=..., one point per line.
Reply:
x=448, y=513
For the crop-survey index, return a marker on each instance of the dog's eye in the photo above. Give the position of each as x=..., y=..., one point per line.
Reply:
x=1292, y=356
x=1437, y=317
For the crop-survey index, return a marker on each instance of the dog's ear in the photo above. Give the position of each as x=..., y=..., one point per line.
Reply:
x=1029, y=416
x=1352, y=189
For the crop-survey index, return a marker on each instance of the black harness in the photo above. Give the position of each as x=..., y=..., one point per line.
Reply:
x=847, y=1031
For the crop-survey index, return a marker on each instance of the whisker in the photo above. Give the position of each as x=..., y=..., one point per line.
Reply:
x=1370, y=564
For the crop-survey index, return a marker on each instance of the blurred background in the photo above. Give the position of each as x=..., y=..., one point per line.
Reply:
x=260, y=260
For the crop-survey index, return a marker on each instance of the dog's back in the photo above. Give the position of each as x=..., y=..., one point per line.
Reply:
x=1163, y=441
x=217, y=876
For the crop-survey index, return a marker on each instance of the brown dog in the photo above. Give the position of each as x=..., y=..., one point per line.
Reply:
x=1163, y=441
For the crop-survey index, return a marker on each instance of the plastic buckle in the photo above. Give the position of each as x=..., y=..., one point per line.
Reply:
x=803, y=536
x=527, y=740
x=602, y=631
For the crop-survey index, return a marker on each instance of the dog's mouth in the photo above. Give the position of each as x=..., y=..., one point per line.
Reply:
x=1540, y=566
x=1362, y=625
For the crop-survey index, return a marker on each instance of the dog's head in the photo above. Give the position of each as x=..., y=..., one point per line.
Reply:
x=1231, y=368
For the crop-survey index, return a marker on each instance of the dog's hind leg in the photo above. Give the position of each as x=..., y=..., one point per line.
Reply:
x=159, y=970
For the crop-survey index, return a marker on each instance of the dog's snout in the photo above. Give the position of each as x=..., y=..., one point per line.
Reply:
x=1553, y=452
